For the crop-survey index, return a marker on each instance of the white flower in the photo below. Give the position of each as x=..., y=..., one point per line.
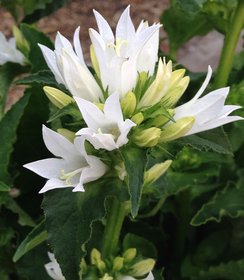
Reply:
x=120, y=58
x=9, y=52
x=106, y=130
x=53, y=269
x=209, y=111
x=72, y=168
x=69, y=68
x=149, y=277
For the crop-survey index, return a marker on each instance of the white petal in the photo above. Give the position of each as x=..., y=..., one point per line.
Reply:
x=122, y=139
x=92, y=115
x=62, y=43
x=104, y=28
x=50, y=59
x=125, y=29
x=57, y=144
x=112, y=109
x=52, y=184
x=47, y=168
x=77, y=46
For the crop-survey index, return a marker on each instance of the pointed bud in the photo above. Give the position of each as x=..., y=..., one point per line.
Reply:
x=177, y=129
x=94, y=60
x=155, y=172
x=129, y=254
x=138, y=118
x=118, y=263
x=128, y=104
x=83, y=266
x=143, y=267
x=147, y=137
x=121, y=171
x=70, y=135
x=57, y=97
x=161, y=120
x=97, y=260
x=21, y=42
x=100, y=106
x=106, y=276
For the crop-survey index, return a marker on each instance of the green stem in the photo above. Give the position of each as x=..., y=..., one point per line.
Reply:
x=155, y=209
x=228, y=51
x=115, y=218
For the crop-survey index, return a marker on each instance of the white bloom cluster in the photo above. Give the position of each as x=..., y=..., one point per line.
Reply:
x=115, y=102
x=9, y=52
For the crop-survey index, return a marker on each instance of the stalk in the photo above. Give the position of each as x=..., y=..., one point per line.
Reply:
x=115, y=218
x=228, y=51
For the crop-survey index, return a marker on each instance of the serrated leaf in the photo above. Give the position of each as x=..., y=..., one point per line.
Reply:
x=214, y=140
x=135, y=160
x=233, y=270
x=7, y=73
x=33, y=239
x=43, y=77
x=190, y=22
x=69, y=218
x=229, y=202
x=33, y=37
x=8, y=127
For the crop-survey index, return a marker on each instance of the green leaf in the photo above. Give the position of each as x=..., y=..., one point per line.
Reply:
x=24, y=218
x=228, y=202
x=135, y=160
x=6, y=234
x=214, y=140
x=190, y=22
x=142, y=245
x=7, y=73
x=4, y=187
x=220, y=13
x=43, y=77
x=233, y=270
x=35, y=37
x=8, y=127
x=33, y=239
x=69, y=218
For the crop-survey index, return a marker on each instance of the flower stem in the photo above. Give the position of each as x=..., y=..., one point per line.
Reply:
x=115, y=218
x=155, y=209
x=230, y=42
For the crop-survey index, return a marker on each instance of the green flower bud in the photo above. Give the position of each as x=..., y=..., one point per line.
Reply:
x=129, y=254
x=118, y=263
x=21, y=42
x=160, y=120
x=177, y=129
x=156, y=171
x=147, y=137
x=57, y=97
x=128, y=104
x=94, y=60
x=100, y=106
x=106, y=277
x=70, y=135
x=83, y=266
x=97, y=260
x=138, y=118
x=141, y=268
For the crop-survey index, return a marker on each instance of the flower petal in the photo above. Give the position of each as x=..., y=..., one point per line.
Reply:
x=104, y=28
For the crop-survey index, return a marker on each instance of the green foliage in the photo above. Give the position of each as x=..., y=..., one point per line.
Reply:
x=67, y=212
x=229, y=202
x=135, y=163
x=31, y=11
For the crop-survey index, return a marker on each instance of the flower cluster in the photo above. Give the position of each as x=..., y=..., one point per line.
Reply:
x=127, y=101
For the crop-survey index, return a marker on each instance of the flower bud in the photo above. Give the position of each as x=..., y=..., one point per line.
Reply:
x=121, y=171
x=177, y=129
x=57, y=97
x=155, y=172
x=106, y=277
x=129, y=254
x=70, y=135
x=147, y=137
x=143, y=267
x=100, y=106
x=21, y=42
x=83, y=266
x=161, y=119
x=118, y=263
x=138, y=118
x=97, y=260
x=128, y=104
